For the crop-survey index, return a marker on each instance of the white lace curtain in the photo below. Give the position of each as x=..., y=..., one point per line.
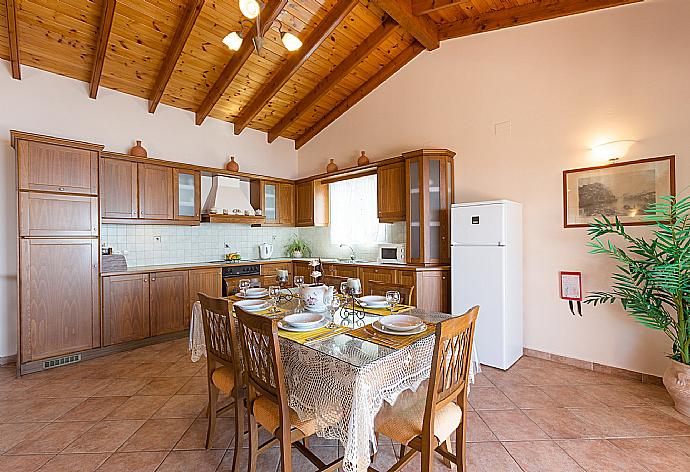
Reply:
x=354, y=215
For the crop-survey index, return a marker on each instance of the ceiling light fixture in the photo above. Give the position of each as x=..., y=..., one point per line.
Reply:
x=251, y=9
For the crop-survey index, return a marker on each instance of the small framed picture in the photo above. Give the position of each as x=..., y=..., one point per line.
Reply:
x=624, y=190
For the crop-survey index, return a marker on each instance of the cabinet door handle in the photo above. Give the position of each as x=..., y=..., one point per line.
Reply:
x=145, y=279
x=95, y=266
x=61, y=189
x=153, y=279
x=142, y=212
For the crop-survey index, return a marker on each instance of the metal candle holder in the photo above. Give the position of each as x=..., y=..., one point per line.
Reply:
x=350, y=308
x=285, y=295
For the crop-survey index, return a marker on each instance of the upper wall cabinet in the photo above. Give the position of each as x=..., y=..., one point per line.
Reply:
x=53, y=167
x=187, y=194
x=119, y=194
x=429, y=182
x=155, y=192
x=275, y=199
x=391, y=192
x=311, y=204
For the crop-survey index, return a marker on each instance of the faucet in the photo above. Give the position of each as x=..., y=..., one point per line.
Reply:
x=352, y=251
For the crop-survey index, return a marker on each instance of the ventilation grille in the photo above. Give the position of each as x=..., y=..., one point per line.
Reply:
x=61, y=361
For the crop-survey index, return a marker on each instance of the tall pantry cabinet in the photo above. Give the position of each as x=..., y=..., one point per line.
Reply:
x=58, y=247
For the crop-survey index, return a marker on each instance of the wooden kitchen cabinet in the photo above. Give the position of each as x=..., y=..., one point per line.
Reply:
x=169, y=293
x=155, y=192
x=378, y=274
x=286, y=204
x=57, y=215
x=433, y=290
x=119, y=193
x=58, y=297
x=125, y=308
x=55, y=165
x=208, y=281
x=186, y=194
x=275, y=199
x=311, y=204
x=302, y=268
x=391, y=192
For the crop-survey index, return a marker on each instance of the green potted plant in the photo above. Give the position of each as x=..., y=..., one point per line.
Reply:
x=297, y=248
x=652, y=281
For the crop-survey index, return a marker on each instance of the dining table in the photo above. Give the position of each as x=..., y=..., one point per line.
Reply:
x=344, y=374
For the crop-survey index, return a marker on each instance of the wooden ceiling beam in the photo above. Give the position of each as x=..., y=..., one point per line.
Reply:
x=13, y=37
x=424, y=7
x=365, y=89
x=420, y=27
x=322, y=31
x=232, y=68
x=102, y=46
x=179, y=39
x=341, y=71
x=524, y=14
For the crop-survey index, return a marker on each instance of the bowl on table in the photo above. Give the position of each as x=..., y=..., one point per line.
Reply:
x=373, y=301
x=401, y=323
x=255, y=292
x=304, y=320
x=252, y=305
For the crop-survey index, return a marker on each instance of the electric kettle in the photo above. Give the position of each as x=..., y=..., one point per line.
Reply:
x=265, y=251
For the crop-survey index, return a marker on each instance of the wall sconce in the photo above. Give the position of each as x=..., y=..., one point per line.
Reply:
x=612, y=151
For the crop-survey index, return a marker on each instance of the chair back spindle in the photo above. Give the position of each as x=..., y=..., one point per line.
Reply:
x=219, y=330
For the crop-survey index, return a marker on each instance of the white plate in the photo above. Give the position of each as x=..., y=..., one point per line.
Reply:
x=252, y=305
x=288, y=327
x=401, y=322
x=303, y=320
x=254, y=293
x=378, y=327
x=373, y=301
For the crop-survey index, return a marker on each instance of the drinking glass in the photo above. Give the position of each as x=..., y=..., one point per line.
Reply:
x=343, y=288
x=392, y=299
x=244, y=285
x=273, y=294
x=332, y=304
x=299, y=280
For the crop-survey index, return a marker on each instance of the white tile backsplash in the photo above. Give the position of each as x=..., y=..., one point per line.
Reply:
x=187, y=244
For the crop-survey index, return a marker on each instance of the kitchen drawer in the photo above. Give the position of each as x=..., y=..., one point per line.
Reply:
x=342, y=270
x=273, y=268
x=377, y=274
x=406, y=277
x=57, y=215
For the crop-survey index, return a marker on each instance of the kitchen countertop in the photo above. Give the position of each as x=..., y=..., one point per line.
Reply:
x=210, y=265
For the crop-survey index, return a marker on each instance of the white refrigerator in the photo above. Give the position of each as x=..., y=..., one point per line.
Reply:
x=486, y=270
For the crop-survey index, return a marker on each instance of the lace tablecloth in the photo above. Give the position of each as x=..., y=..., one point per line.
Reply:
x=344, y=383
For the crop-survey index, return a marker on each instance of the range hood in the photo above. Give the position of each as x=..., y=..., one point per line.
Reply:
x=227, y=194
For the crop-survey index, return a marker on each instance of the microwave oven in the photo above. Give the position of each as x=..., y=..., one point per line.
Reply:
x=392, y=253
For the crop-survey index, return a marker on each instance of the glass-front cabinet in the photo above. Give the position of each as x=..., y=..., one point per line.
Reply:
x=187, y=193
x=276, y=199
x=429, y=178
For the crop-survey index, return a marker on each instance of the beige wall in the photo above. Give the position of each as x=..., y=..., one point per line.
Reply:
x=49, y=104
x=564, y=85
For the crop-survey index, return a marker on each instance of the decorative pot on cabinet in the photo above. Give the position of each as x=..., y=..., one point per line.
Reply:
x=232, y=166
x=363, y=159
x=332, y=166
x=138, y=150
x=677, y=382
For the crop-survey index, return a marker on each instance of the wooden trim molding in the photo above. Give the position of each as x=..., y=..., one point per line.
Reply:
x=21, y=135
x=341, y=71
x=8, y=360
x=232, y=68
x=13, y=38
x=593, y=366
x=524, y=14
x=420, y=27
x=377, y=79
x=102, y=47
x=184, y=28
x=324, y=29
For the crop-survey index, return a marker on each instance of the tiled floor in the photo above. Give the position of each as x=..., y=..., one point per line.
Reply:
x=143, y=411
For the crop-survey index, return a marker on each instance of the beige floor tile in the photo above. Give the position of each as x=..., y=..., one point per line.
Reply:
x=36, y=409
x=267, y=462
x=183, y=406
x=122, y=387
x=656, y=454
x=541, y=456
x=149, y=369
x=198, y=461
x=489, y=398
x=481, y=380
x=569, y=396
x=500, y=377
x=74, y=463
x=68, y=388
x=512, y=425
x=477, y=430
x=561, y=423
x=163, y=386
x=138, y=407
x=133, y=462
x=157, y=435
x=595, y=455
x=490, y=457
x=195, y=436
x=631, y=422
x=51, y=439
x=106, y=436
x=615, y=395
x=527, y=396
x=93, y=409
x=23, y=463
x=195, y=386
x=12, y=434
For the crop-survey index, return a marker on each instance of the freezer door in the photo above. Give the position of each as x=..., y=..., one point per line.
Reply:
x=478, y=278
x=478, y=225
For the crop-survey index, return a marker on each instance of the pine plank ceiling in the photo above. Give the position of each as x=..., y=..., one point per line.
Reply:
x=170, y=51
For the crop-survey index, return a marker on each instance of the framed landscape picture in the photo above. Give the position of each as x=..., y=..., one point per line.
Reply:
x=622, y=189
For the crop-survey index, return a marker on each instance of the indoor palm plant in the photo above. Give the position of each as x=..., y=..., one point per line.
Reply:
x=297, y=248
x=652, y=281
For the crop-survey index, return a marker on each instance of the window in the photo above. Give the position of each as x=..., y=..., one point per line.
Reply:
x=354, y=216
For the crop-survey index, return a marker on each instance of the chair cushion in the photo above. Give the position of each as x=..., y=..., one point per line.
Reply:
x=405, y=419
x=267, y=414
x=224, y=379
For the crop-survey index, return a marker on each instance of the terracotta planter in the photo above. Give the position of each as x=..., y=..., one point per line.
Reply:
x=332, y=166
x=232, y=166
x=677, y=382
x=137, y=150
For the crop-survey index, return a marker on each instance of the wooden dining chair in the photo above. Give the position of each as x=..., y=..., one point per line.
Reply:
x=333, y=281
x=224, y=371
x=267, y=403
x=426, y=425
x=380, y=288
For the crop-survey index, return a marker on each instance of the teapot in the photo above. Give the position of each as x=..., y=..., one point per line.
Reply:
x=312, y=296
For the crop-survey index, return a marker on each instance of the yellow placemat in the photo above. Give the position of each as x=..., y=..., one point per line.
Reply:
x=399, y=308
x=368, y=333
x=320, y=334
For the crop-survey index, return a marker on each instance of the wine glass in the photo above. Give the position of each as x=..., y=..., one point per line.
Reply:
x=244, y=285
x=299, y=280
x=332, y=303
x=343, y=288
x=273, y=294
x=392, y=299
